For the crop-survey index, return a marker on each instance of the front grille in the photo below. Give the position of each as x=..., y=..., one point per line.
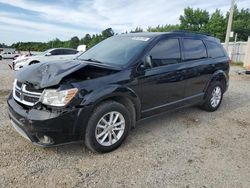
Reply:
x=18, y=94
x=18, y=84
x=31, y=99
x=26, y=94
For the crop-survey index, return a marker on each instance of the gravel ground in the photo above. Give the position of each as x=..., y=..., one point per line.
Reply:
x=6, y=75
x=188, y=148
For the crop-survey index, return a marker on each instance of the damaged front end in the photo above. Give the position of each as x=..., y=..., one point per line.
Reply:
x=46, y=103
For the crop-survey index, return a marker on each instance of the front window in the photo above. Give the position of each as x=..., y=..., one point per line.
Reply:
x=118, y=50
x=45, y=52
x=166, y=52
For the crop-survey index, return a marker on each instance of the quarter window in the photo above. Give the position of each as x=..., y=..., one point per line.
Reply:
x=214, y=50
x=166, y=52
x=194, y=49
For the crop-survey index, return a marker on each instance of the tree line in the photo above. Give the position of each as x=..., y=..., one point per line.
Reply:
x=196, y=20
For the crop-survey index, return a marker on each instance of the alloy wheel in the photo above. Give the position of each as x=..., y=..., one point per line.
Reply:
x=216, y=97
x=110, y=128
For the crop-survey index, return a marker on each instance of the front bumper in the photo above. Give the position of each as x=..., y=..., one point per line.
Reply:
x=46, y=128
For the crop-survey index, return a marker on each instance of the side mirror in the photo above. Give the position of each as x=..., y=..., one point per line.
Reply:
x=48, y=54
x=148, y=61
x=145, y=64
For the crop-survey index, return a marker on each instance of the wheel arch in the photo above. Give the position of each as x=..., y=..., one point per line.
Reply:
x=33, y=62
x=123, y=95
x=220, y=76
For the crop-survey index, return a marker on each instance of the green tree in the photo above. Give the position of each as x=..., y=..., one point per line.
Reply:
x=163, y=28
x=217, y=25
x=2, y=45
x=74, y=42
x=137, y=30
x=86, y=39
x=241, y=23
x=194, y=20
x=107, y=33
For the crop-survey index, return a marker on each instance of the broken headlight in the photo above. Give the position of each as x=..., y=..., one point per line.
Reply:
x=54, y=97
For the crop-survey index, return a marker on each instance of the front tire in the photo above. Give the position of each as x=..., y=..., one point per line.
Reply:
x=213, y=98
x=107, y=127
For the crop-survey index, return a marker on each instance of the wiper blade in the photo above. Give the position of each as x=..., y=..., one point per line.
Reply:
x=92, y=60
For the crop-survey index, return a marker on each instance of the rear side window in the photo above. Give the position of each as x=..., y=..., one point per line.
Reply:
x=194, y=49
x=69, y=52
x=166, y=52
x=214, y=50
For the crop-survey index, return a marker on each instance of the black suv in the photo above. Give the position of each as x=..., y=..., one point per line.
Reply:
x=99, y=96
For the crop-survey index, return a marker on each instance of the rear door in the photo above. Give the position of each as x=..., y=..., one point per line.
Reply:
x=198, y=66
x=163, y=83
x=218, y=55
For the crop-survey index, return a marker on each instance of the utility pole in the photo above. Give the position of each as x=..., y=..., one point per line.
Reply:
x=229, y=25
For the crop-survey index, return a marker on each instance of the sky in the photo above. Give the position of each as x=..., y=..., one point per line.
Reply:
x=44, y=20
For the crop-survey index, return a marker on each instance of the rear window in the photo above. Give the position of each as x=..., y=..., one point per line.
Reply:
x=194, y=49
x=214, y=50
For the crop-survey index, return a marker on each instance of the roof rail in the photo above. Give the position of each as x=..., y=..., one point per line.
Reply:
x=194, y=32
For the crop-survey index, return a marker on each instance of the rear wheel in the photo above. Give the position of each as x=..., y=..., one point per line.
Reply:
x=1, y=58
x=214, y=97
x=108, y=127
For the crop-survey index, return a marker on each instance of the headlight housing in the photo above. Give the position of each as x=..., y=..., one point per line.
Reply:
x=54, y=97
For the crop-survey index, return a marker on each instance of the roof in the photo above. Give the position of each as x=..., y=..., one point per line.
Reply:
x=62, y=49
x=172, y=33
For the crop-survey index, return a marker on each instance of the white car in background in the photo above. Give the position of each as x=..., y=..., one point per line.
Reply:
x=8, y=55
x=49, y=55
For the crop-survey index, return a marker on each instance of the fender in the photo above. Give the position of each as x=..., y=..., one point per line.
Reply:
x=102, y=94
x=219, y=74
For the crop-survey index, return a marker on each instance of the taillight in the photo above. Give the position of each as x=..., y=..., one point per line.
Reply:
x=230, y=61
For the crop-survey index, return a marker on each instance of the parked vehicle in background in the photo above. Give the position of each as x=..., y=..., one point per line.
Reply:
x=100, y=95
x=48, y=55
x=82, y=48
x=8, y=55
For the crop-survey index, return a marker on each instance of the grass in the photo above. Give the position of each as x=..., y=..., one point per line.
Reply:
x=239, y=64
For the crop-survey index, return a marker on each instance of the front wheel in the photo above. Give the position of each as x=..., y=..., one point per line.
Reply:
x=107, y=127
x=213, y=97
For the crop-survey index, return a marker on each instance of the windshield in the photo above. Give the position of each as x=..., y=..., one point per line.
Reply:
x=118, y=50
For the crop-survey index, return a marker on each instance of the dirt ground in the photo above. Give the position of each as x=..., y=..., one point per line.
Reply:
x=188, y=148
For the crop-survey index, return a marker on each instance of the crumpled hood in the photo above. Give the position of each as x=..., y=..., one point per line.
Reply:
x=47, y=74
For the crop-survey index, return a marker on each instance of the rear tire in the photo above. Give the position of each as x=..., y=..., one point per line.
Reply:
x=107, y=127
x=1, y=58
x=213, y=97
